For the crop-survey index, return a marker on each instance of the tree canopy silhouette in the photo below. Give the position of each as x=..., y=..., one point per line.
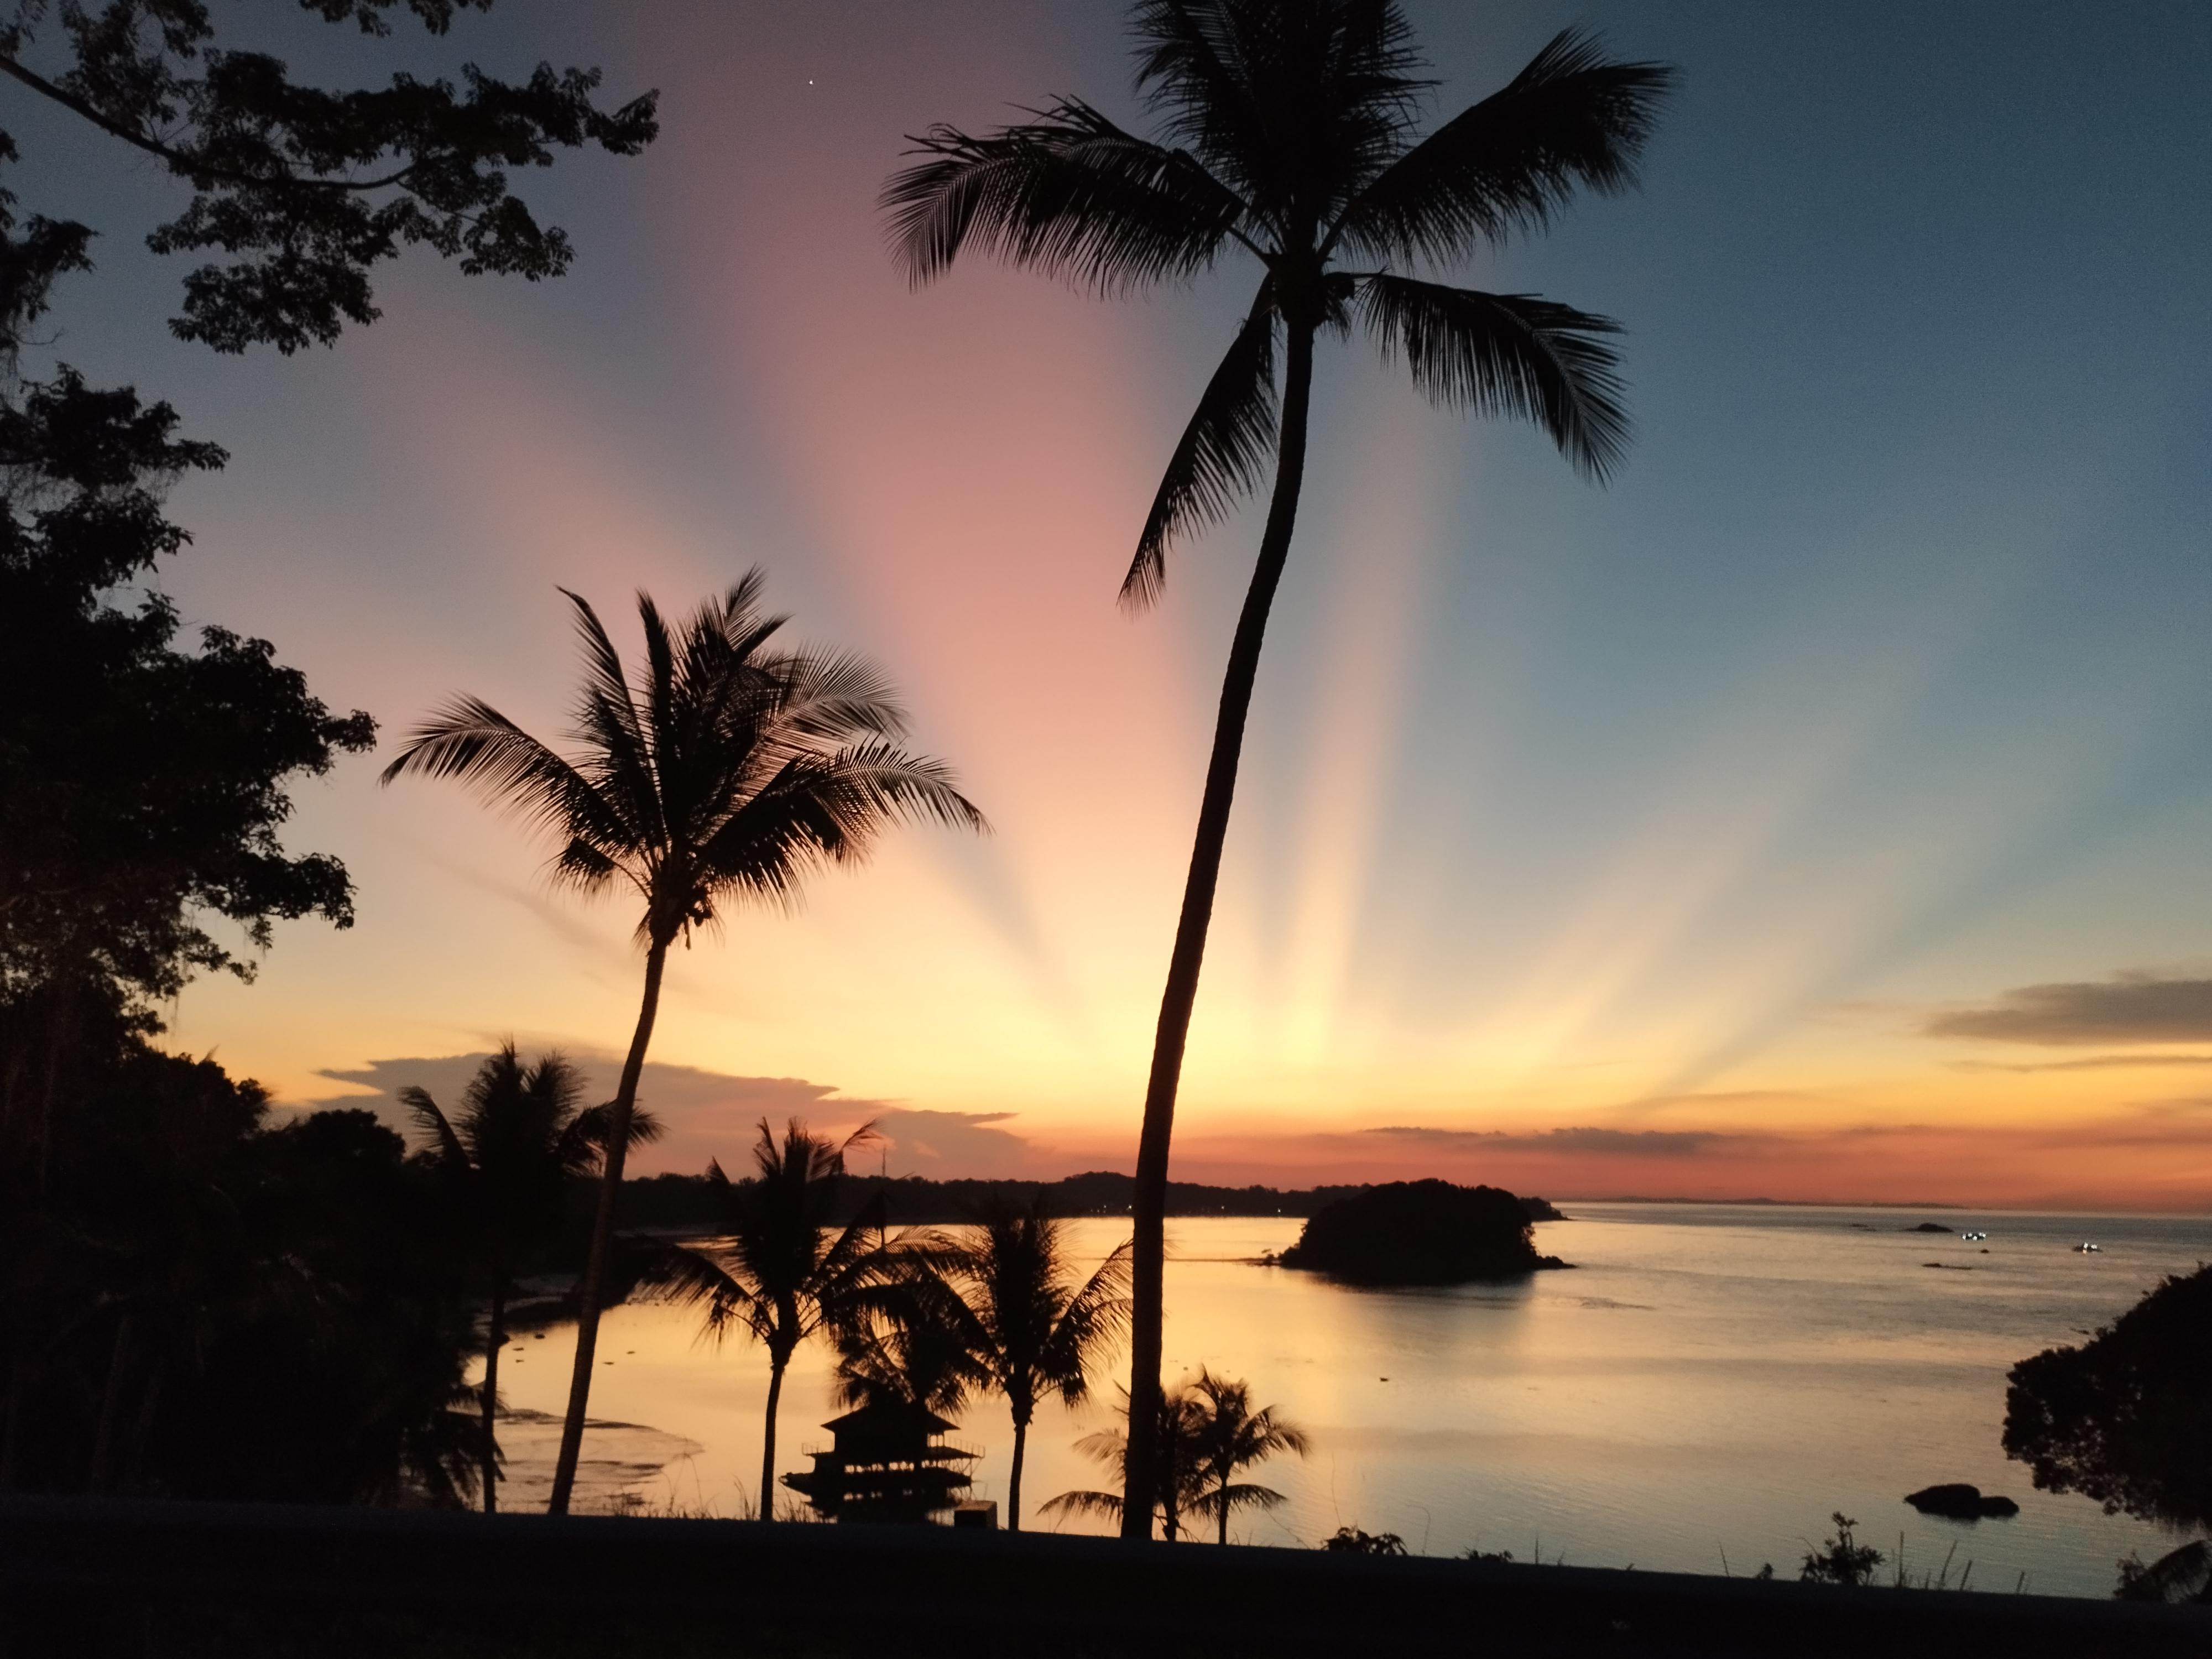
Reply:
x=1288, y=129
x=522, y=1132
x=730, y=773
x=142, y=786
x=2126, y=1419
x=302, y=190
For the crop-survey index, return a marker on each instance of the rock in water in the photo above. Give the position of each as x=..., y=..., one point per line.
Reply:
x=1959, y=1502
x=1930, y=1227
x=1420, y=1232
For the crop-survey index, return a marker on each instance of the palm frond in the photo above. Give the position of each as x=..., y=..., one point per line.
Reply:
x=1297, y=106
x=1101, y=1506
x=616, y=732
x=694, y=1279
x=1222, y=456
x=1068, y=193
x=469, y=740
x=835, y=696
x=431, y=1117
x=1572, y=119
x=1511, y=354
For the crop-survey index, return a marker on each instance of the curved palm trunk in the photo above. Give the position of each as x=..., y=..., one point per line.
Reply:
x=603, y=1231
x=494, y=1340
x=1221, y=1495
x=767, y=1439
x=1149, y=1209
x=1014, y=1481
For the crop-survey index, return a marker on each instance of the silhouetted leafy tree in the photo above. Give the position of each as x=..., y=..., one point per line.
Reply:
x=2126, y=1419
x=1210, y=1434
x=732, y=772
x=142, y=787
x=780, y=1271
x=521, y=1134
x=1289, y=130
x=301, y=190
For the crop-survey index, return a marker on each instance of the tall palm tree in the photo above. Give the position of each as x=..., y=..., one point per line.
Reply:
x=1232, y=1437
x=521, y=1134
x=1288, y=129
x=1034, y=1329
x=780, y=1270
x=732, y=771
x=1178, y=1483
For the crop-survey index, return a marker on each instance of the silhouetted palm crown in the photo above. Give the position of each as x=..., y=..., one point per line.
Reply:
x=732, y=771
x=780, y=1271
x=1288, y=130
x=1036, y=1329
x=520, y=1131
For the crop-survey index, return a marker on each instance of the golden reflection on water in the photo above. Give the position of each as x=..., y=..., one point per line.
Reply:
x=1707, y=1379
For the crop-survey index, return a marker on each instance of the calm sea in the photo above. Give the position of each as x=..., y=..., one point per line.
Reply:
x=1708, y=1384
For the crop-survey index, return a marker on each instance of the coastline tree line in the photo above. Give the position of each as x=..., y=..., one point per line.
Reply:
x=198, y=1297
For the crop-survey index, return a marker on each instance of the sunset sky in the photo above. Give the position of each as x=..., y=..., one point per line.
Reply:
x=1823, y=811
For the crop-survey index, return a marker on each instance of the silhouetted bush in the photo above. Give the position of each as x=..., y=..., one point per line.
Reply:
x=1842, y=1559
x=1349, y=1540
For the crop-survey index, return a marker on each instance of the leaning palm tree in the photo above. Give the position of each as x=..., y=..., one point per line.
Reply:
x=521, y=1134
x=780, y=1270
x=1035, y=1329
x=1232, y=1438
x=731, y=771
x=1178, y=1486
x=1289, y=130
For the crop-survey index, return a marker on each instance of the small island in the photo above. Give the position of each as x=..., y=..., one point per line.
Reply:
x=1420, y=1232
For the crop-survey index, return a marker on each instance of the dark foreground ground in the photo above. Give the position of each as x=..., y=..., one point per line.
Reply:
x=97, y=1578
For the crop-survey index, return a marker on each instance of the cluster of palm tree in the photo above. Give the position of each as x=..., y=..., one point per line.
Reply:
x=732, y=771
x=1208, y=1433
x=1289, y=130
x=923, y=1317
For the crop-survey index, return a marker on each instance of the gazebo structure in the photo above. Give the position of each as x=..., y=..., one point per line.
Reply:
x=887, y=1461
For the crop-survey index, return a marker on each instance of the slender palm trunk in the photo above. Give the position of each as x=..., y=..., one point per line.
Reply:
x=1014, y=1481
x=494, y=1340
x=1221, y=1495
x=603, y=1232
x=111, y=1402
x=1148, y=1258
x=768, y=1438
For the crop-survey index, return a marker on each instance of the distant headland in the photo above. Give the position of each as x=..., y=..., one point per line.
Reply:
x=673, y=1202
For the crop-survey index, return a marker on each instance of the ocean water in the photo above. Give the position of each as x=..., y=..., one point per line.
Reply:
x=1705, y=1387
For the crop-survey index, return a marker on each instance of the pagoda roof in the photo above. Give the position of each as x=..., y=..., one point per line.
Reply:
x=889, y=1417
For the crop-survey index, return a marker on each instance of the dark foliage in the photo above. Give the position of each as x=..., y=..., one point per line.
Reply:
x=302, y=190
x=201, y=1303
x=2126, y=1419
x=141, y=786
x=680, y=1201
x=1351, y=1540
x=1420, y=1232
x=1842, y=1559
